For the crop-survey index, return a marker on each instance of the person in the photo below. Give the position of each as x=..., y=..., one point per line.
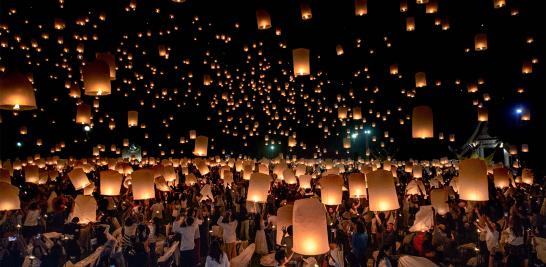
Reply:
x=515, y=248
x=72, y=235
x=491, y=231
x=382, y=259
x=216, y=257
x=281, y=259
x=359, y=243
x=259, y=240
x=229, y=227
x=187, y=227
x=334, y=257
x=31, y=225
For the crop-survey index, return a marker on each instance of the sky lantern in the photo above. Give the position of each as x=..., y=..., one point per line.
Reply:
x=201, y=146
x=346, y=142
x=9, y=197
x=357, y=185
x=393, y=69
x=410, y=24
x=381, y=191
x=202, y=166
x=361, y=7
x=339, y=50
x=420, y=79
x=32, y=174
x=342, y=113
x=16, y=92
x=439, y=198
x=263, y=19
x=357, y=113
x=305, y=11
x=292, y=141
x=524, y=148
x=111, y=61
x=96, y=78
x=473, y=180
x=110, y=183
x=422, y=122
x=193, y=134
x=289, y=176
x=74, y=91
x=83, y=114
x=85, y=208
x=258, y=187
x=501, y=178
x=190, y=179
x=527, y=176
x=78, y=178
x=483, y=114
x=417, y=171
x=527, y=67
x=132, y=118
x=310, y=236
x=525, y=115
x=284, y=219
x=499, y=3
x=143, y=184
x=331, y=189
x=305, y=181
x=300, y=58
x=480, y=42
x=169, y=173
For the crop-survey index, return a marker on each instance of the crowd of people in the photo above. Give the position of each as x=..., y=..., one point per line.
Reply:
x=224, y=229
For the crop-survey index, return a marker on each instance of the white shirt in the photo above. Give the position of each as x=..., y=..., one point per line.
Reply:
x=187, y=234
x=32, y=218
x=513, y=239
x=229, y=230
x=491, y=239
x=224, y=262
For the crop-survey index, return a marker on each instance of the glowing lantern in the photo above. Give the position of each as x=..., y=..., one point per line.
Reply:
x=305, y=11
x=410, y=24
x=85, y=208
x=527, y=67
x=193, y=134
x=473, y=180
x=289, y=176
x=305, y=181
x=422, y=122
x=381, y=191
x=300, y=57
x=524, y=148
x=501, y=179
x=420, y=79
x=169, y=173
x=110, y=183
x=342, y=113
x=438, y=198
x=513, y=150
x=499, y=3
x=258, y=187
x=202, y=167
x=190, y=179
x=96, y=78
x=78, y=178
x=201, y=145
x=83, y=114
x=347, y=143
x=480, y=42
x=291, y=141
x=16, y=92
x=111, y=61
x=357, y=185
x=9, y=197
x=32, y=174
x=263, y=19
x=357, y=113
x=393, y=69
x=526, y=115
x=284, y=219
x=483, y=114
x=361, y=7
x=310, y=236
x=417, y=171
x=527, y=176
x=339, y=50
x=132, y=118
x=331, y=189
x=143, y=184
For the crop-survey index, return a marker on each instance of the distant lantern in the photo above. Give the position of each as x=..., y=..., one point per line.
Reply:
x=410, y=24
x=527, y=176
x=32, y=174
x=284, y=219
x=263, y=19
x=305, y=181
x=361, y=7
x=132, y=118
x=452, y=138
x=381, y=191
x=347, y=143
x=310, y=235
x=393, y=69
x=258, y=187
x=85, y=208
x=499, y=3
x=111, y=61
x=480, y=42
x=527, y=67
x=525, y=115
x=483, y=114
x=96, y=78
x=501, y=178
x=193, y=134
x=439, y=198
x=110, y=183
x=201, y=146
x=357, y=113
x=16, y=92
x=300, y=57
x=125, y=142
x=305, y=11
x=169, y=174
x=9, y=197
x=422, y=123
x=78, y=178
x=331, y=189
x=420, y=79
x=143, y=184
x=83, y=114
x=473, y=180
x=291, y=141
x=357, y=185
x=342, y=113
x=417, y=171
x=524, y=148
x=289, y=176
x=513, y=150
x=74, y=91
x=339, y=50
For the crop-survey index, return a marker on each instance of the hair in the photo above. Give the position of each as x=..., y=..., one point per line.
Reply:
x=129, y=221
x=360, y=227
x=189, y=221
x=215, y=252
x=290, y=230
x=517, y=228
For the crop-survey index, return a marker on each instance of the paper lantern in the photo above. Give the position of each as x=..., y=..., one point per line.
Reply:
x=483, y=114
x=422, y=124
x=289, y=176
x=417, y=171
x=347, y=143
x=202, y=167
x=132, y=118
x=247, y=172
x=357, y=185
x=262, y=168
x=32, y=174
x=83, y=114
x=381, y=191
x=410, y=24
x=310, y=236
x=110, y=183
x=78, y=178
x=342, y=113
x=258, y=187
x=190, y=179
x=527, y=176
x=284, y=219
x=361, y=7
x=415, y=187
x=201, y=146
x=143, y=184
x=420, y=79
x=438, y=198
x=263, y=19
x=331, y=189
x=89, y=189
x=291, y=141
x=96, y=78
x=193, y=134
x=9, y=197
x=161, y=184
x=305, y=11
x=300, y=58
x=169, y=173
x=527, y=67
x=501, y=178
x=111, y=61
x=305, y=181
x=85, y=208
x=526, y=115
x=524, y=148
x=473, y=180
x=480, y=42
x=16, y=92
x=228, y=177
x=499, y=3
x=339, y=50
x=393, y=69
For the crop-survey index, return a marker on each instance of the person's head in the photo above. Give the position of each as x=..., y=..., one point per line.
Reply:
x=75, y=220
x=290, y=230
x=189, y=220
x=215, y=252
x=390, y=227
x=129, y=221
x=360, y=227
